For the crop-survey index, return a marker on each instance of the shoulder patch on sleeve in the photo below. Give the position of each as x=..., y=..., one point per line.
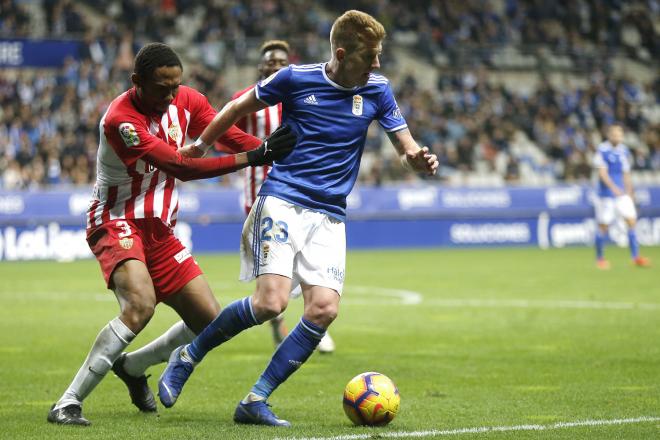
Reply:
x=129, y=134
x=396, y=113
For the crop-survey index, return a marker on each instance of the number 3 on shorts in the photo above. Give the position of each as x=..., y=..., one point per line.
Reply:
x=125, y=229
x=267, y=225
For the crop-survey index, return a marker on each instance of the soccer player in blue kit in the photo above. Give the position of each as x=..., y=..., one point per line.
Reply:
x=295, y=232
x=615, y=195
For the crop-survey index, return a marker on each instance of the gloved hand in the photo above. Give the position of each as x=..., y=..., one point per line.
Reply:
x=276, y=147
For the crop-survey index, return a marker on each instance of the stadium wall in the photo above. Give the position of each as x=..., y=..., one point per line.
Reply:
x=51, y=225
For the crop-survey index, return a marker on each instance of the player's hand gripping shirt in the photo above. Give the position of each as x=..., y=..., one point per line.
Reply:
x=128, y=187
x=331, y=122
x=616, y=159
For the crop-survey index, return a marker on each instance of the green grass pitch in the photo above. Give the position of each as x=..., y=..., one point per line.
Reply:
x=472, y=338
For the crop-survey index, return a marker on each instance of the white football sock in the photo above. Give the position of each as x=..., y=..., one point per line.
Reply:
x=158, y=350
x=109, y=344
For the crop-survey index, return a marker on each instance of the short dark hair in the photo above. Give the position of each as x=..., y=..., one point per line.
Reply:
x=153, y=56
x=273, y=45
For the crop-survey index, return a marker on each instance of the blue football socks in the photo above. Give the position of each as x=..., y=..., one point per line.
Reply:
x=632, y=243
x=600, y=243
x=289, y=356
x=233, y=319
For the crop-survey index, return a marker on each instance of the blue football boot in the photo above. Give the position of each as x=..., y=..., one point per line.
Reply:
x=257, y=413
x=173, y=378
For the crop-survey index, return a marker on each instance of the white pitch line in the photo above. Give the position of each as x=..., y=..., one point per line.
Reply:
x=393, y=296
x=405, y=297
x=541, y=304
x=481, y=429
x=361, y=295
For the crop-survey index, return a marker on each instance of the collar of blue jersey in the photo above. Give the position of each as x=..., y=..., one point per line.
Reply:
x=334, y=84
x=617, y=147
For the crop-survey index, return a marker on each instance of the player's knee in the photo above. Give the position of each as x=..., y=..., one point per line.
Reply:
x=268, y=303
x=269, y=307
x=322, y=314
x=137, y=313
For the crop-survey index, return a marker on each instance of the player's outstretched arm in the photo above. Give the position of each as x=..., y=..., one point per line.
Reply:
x=412, y=156
x=234, y=140
x=230, y=113
x=277, y=146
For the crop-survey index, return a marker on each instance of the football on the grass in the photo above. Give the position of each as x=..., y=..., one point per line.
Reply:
x=371, y=399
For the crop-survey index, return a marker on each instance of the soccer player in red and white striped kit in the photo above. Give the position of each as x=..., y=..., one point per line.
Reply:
x=274, y=56
x=131, y=218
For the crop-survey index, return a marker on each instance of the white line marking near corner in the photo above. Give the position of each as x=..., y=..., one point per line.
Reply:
x=482, y=429
x=406, y=297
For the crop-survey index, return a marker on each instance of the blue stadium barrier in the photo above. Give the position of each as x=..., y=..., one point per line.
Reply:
x=51, y=224
x=25, y=52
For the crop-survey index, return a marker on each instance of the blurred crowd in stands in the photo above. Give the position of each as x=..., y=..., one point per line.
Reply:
x=49, y=119
x=579, y=28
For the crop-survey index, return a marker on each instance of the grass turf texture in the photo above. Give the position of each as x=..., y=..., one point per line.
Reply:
x=456, y=365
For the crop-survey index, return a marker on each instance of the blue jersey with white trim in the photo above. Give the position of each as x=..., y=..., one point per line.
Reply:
x=331, y=122
x=616, y=160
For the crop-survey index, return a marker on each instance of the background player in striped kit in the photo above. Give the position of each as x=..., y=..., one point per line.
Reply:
x=274, y=56
x=615, y=195
x=133, y=212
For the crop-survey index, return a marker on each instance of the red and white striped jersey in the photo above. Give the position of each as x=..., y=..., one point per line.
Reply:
x=127, y=186
x=259, y=124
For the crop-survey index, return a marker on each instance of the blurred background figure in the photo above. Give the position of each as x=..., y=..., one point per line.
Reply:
x=616, y=198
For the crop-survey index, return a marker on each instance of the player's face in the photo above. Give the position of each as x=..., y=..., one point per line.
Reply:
x=359, y=63
x=272, y=61
x=615, y=135
x=158, y=92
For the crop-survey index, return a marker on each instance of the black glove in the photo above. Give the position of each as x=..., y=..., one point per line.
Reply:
x=276, y=147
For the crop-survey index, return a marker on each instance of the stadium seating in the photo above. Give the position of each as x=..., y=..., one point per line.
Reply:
x=495, y=110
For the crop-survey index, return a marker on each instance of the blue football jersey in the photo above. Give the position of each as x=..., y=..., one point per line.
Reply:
x=331, y=122
x=617, y=161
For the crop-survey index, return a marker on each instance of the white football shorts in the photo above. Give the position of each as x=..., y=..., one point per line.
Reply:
x=608, y=208
x=286, y=239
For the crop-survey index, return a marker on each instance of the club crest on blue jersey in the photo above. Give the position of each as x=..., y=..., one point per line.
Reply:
x=357, y=105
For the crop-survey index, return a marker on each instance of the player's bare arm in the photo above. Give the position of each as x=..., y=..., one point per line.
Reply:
x=412, y=155
x=191, y=151
x=230, y=113
x=276, y=147
x=628, y=186
x=604, y=176
x=185, y=168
